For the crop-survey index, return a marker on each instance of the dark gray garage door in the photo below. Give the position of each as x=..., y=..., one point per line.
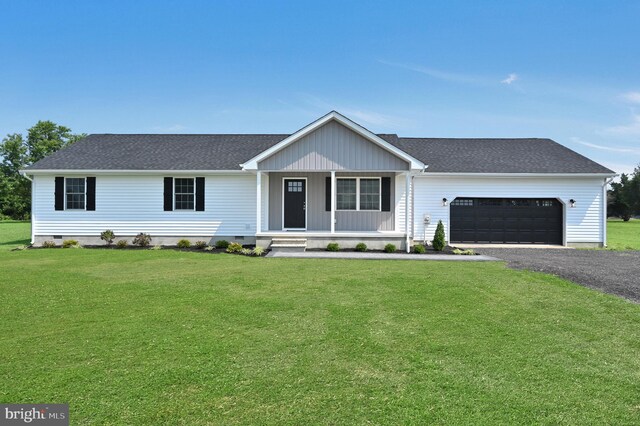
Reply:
x=506, y=220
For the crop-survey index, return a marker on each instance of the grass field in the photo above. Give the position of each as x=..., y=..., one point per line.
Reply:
x=623, y=235
x=166, y=337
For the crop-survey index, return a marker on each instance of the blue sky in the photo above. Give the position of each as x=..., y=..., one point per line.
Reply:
x=565, y=70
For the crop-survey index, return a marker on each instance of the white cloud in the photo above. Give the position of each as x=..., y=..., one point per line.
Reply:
x=607, y=148
x=631, y=129
x=632, y=97
x=435, y=73
x=510, y=78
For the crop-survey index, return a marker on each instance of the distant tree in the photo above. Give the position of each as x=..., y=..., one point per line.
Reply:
x=624, y=196
x=16, y=153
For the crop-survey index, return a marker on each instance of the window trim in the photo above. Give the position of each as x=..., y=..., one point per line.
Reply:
x=84, y=207
x=357, y=179
x=175, y=194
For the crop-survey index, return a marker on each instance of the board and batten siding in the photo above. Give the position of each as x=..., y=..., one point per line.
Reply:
x=582, y=223
x=319, y=219
x=132, y=204
x=333, y=147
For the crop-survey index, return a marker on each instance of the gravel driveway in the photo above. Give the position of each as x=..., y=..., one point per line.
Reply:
x=615, y=272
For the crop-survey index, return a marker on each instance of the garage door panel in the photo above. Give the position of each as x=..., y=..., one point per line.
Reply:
x=506, y=220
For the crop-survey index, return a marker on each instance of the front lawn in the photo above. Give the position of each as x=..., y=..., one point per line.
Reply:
x=168, y=337
x=623, y=235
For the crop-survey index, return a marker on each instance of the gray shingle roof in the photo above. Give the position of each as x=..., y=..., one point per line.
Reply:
x=227, y=152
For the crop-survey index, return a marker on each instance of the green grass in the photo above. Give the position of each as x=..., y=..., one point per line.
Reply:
x=168, y=337
x=623, y=235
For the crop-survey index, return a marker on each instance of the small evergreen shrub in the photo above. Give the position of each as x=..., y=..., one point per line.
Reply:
x=234, y=248
x=107, y=236
x=390, y=248
x=200, y=245
x=419, y=248
x=49, y=244
x=258, y=251
x=438, y=238
x=333, y=247
x=122, y=244
x=70, y=243
x=222, y=244
x=142, y=240
x=467, y=252
x=184, y=244
x=361, y=247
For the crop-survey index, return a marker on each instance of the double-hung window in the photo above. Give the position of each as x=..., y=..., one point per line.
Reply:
x=75, y=193
x=358, y=194
x=184, y=194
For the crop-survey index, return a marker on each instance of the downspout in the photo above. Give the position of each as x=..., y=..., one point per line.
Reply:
x=33, y=185
x=604, y=211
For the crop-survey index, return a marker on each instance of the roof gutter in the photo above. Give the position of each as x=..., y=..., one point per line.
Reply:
x=511, y=175
x=129, y=172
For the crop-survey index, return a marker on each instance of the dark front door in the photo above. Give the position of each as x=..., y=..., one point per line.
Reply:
x=295, y=199
x=506, y=220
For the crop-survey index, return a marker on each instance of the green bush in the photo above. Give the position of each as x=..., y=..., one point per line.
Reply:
x=467, y=252
x=361, y=247
x=222, y=244
x=209, y=248
x=70, y=243
x=390, y=248
x=333, y=247
x=258, y=251
x=184, y=244
x=246, y=251
x=419, y=248
x=107, y=236
x=142, y=240
x=122, y=244
x=200, y=245
x=234, y=248
x=438, y=238
x=49, y=244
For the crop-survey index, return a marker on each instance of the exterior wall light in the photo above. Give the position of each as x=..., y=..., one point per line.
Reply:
x=444, y=202
x=572, y=203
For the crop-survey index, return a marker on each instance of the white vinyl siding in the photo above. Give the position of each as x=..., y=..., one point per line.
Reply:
x=582, y=223
x=230, y=208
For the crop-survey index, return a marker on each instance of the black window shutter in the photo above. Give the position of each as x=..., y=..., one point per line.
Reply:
x=386, y=194
x=91, y=193
x=199, y=194
x=327, y=194
x=168, y=194
x=59, y=193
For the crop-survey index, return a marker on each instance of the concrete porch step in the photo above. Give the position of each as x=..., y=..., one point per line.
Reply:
x=289, y=245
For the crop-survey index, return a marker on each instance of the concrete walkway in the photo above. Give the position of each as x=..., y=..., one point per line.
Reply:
x=379, y=256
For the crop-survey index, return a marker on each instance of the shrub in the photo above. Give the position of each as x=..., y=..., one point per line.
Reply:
x=209, y=248
x=70, y=243
x=122, y=244
x=361, y=247
x=107, y=236
x=438, y=238
x=467, y=252
x=234, y=248
x=222, y=244
x=142, y=240
x=184, y=244
x=246, y=252
x=20, y=248
x=258, y=251
x=390, y=248
x=200, y=245
x=333, y=247
x=49, y=244
x=419, y=248
x=156, y=247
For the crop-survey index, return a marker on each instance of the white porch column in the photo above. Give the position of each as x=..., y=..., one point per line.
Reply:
x=333, y=201
x=258, y=202
x=407, y=210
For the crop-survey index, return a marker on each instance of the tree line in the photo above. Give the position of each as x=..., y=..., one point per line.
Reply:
x=624, y=196
x=18, y=152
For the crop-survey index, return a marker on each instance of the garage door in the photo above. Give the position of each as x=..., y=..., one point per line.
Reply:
x=506, y=220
